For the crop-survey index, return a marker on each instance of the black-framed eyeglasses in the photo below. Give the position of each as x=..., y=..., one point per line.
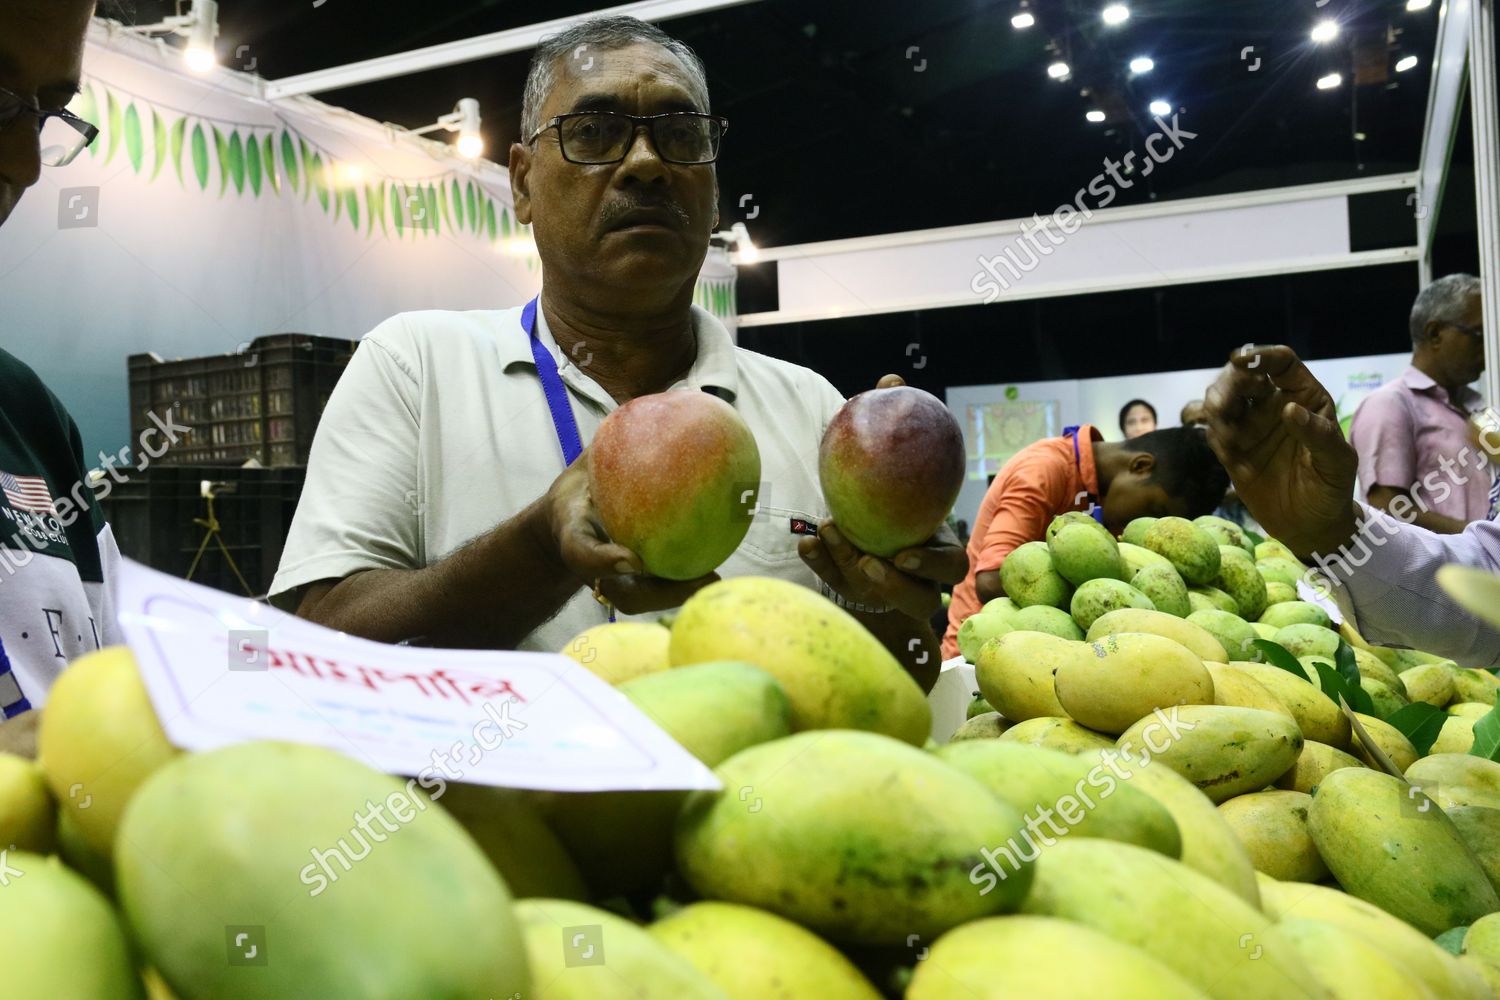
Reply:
x=1473, y=331
x=61, y=135
x=595, y=137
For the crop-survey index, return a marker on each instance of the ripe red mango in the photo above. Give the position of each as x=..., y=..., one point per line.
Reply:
x=675, y=478
x=891, y=464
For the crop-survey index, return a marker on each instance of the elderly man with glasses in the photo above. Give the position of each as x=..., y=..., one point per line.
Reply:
x=1413, y=436
x=54, y=604
x=444, y=500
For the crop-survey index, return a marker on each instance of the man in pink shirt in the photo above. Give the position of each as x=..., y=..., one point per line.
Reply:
x=1412, y=436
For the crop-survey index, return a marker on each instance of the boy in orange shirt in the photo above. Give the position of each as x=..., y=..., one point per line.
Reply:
x=1165, y=472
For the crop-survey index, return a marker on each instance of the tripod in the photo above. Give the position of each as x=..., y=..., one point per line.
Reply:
x=211, y=532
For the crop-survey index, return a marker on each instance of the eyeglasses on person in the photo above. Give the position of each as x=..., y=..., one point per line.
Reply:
x=61, y=135
x=597, y=137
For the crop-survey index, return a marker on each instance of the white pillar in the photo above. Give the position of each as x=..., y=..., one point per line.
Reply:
x=1486, y=118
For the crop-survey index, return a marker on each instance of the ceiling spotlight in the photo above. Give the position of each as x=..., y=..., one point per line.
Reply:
x=1115, y=13
x=1094, y=115
x=465, y=120
x=200, y=25
x=1141, y=64
x=1058, y=70
x=1405, y=63
x=1418, y=4
x=1325, y=31
x=1023, y=20
x=1159, y=108
x=1330, y=81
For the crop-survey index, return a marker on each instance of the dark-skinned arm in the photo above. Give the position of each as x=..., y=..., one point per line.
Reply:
x=1383, y=496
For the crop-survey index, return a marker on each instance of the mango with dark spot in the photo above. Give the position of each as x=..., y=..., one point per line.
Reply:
x=891, y=464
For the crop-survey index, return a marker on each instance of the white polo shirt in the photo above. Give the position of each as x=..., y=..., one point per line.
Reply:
x=439, y=430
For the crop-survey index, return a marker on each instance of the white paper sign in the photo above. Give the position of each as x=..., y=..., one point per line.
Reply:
x=222, y=669
x=1311, y=596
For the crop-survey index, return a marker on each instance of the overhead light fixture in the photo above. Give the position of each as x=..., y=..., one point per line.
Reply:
x=1094, y=115
x=1058, y=70
x=1115, y=13
x=1142, y=64
x=1024, y=19
x=1330, y=81
x=1325, y=31
x=200, y=26
x=1418, y=4
x=463, y=119
x=738, y=237
x=1405, y=63
x=1160, y=107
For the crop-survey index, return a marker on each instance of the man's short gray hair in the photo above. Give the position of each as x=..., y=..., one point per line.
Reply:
x=604, y=34
x=1443, y=301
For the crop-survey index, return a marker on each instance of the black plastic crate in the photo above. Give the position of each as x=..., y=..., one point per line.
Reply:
x=260, y=404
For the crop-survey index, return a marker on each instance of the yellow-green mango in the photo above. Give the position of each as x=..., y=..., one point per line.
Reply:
x=1208, y=844
x=1295, y=613
x=1485, y=969
x=1391, y=741
x=1135, y=531
x=1456, y=736
x=1211, y=598
x=511, y=832
x=1314, y=762
x=1318, y=717
x=1264, y=631
x=1134, y=558
x=1223, y=751
x=978, y=706
x=1028, y=576
x=1083, y=552
x=1393, y=847
x=79, y=854
x=754, y=955
x=1349, y=966
x=1165, y=588
x=835, y=673
x=1230, y=630
x=1458, y=779
x=976, y=630
x=28, y=816
x=1041, y=618
x=580, y=952
x=1306, y=639
x=981, y=727
x=1278, y=592
x=620, y=651
x=1483, y=938
x=1183, y=631
x=1100, y=596
x=1190, y=549
x=1226, y=533
x=1278, y=570
x=1239, y=578
x=1384, y=699
x=623, y=840
x=1404, y=944
x=1470, y=709
x=1123, y=677
x=1057, y=734
x=1148, y=901
x=1273, y=827
x=1272, y=549
x=1475, y=685
x=1003, y=958
x=1376, y=669
x=1015, y=672
x=1238, y=689
x=999, y=606
x=855, y=836
x=1083, y=796
x=1430, y=682
x=1068, y=517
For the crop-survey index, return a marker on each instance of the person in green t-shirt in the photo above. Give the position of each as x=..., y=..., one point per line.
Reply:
x=55, y=557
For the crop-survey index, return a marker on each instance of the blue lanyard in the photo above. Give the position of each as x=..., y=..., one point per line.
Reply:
x=1095, y=510
x=553, y=388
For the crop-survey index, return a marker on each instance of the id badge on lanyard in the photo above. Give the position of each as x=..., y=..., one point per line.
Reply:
x=1095, y=511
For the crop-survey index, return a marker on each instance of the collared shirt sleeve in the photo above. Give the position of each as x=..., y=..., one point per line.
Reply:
x=1394, y=599
x=1030, y=501
x=360, y=507
x=1383, y=435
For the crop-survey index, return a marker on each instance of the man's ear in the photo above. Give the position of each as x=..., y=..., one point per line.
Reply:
x=1143, y=463
x=1432, y=330
x=520, y=182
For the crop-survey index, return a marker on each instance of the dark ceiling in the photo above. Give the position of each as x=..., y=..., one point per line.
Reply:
x=855, y=118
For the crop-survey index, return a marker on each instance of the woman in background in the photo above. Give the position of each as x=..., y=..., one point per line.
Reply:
x=1137, y=417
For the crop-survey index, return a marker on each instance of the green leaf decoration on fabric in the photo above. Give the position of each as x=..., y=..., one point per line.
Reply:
x=135, y=140
x=268, y=160
x=200, y=157
x=159, y=148
x=252, y=163
x=221, y=149
x=504, y=222
x=113, y=113
x=335, y=192
x=351, y=205
x=471, y=207
x=307, y=170
x=458, y=204
x=398, y=220
x=179, y=137
x=317, y=180
x=489, y=220
x=234, y=161
x=434, y=214
x=289, y=163
x=88, y=109
x=441, y=190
